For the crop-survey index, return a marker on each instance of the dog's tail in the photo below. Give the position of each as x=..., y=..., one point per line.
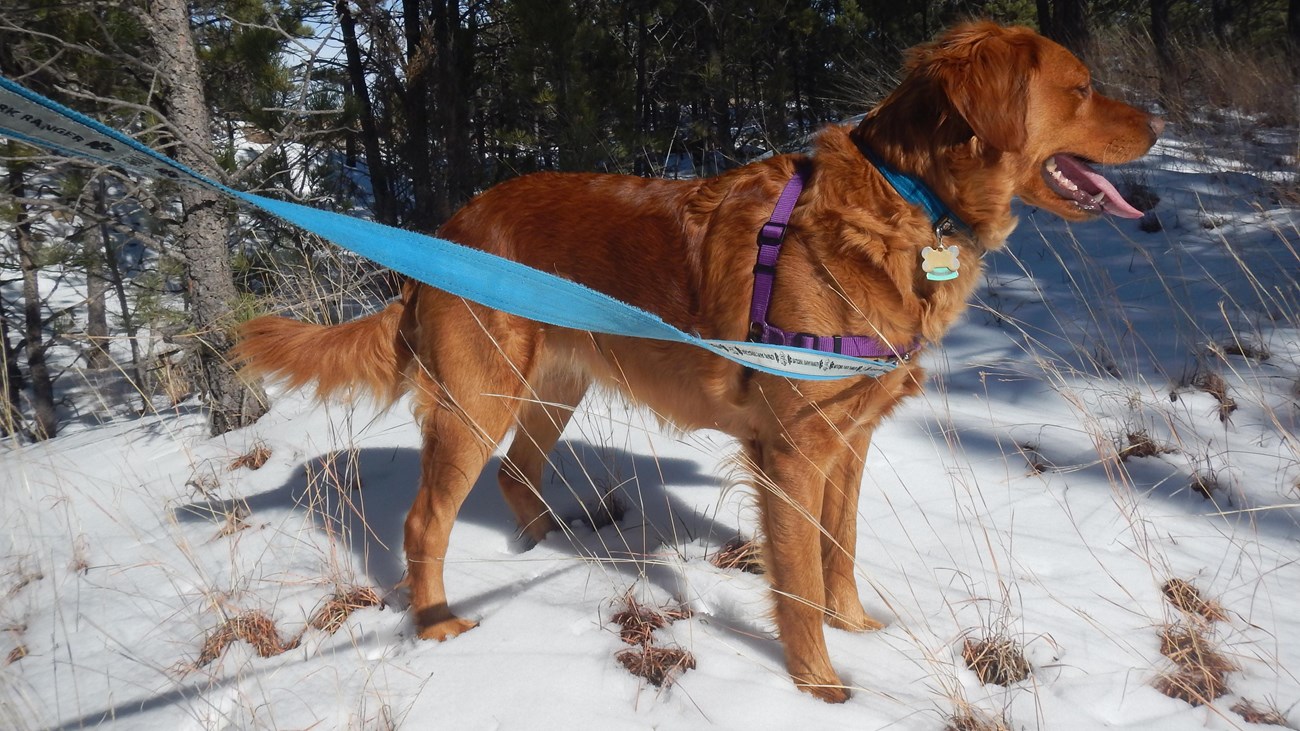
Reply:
x=368, y=355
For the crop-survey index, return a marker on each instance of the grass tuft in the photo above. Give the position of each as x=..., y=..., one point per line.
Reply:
x=1201, y=671
x=1140, y=444
x=996, y=660
x=1257, y=352
x=253, y=460
x=973, y=720
x=1205, y=484
x=1036, y=462
x=1196, y=686
x=659, y=665
x=638, y=622
x=1215, y=385
x=1263, y=715
x=741, y=553
x=1188, y=599
x=255, y=628
x=16, y=654
x=339, y=607
x=25, y=578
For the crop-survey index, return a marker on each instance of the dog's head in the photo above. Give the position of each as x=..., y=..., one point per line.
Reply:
x=1024, y=104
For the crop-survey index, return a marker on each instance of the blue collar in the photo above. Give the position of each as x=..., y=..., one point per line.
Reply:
x=914, y=191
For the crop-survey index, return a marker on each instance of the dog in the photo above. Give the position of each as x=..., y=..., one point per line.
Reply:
x=984, y=114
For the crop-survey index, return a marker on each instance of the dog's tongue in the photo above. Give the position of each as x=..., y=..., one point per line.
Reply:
x=1093, y=182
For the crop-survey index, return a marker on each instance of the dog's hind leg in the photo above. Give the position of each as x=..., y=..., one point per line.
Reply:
x=467, y=394
x=541, y=421
x=839, y=520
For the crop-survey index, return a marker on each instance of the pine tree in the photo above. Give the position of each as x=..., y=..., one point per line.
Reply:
x=210, y=287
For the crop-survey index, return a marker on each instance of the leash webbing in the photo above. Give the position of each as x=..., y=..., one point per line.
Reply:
x=470, y=273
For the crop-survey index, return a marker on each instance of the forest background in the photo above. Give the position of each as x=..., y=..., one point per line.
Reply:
x=401, y=110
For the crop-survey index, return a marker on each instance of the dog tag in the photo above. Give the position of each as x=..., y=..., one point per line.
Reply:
x=940, y=265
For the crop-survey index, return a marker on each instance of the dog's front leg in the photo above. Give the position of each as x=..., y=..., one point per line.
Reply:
x=791, y=500
x=839, y=518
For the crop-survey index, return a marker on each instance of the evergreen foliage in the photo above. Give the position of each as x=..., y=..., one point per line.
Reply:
x=403, y=109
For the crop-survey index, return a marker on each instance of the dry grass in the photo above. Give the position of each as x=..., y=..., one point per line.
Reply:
x=16, y=654
x=253, y=459
x=1244, y=348
x=1205, y=484
x=235, y=520
x=659, y=665
x=1263, y=715
x=996, y=660
x=741, y=553
x=80, y=561
x=339, y=468
x=1188, y=599
x=1140, y=444
x=255, y=628
x=638, y=622
x=25, y=577
x=1201, y=671
x=206, y=485
x=339, y=607
x=971, y=719
x=1204, y=76
x=1036, y=462
x=1215, y=385
x=174, y=379
x=1195, y=685
x=20, y=649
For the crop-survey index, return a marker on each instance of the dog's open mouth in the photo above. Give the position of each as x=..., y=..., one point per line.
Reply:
x=1076, y=181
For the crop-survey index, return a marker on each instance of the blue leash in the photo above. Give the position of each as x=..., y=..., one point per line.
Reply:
x=475, y=275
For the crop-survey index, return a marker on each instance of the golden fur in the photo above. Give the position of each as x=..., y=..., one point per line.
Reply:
x=979, y=112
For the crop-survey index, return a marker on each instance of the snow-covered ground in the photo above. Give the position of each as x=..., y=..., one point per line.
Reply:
x=1008, y=501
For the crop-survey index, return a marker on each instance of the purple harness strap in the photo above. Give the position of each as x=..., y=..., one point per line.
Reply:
x=770, y=238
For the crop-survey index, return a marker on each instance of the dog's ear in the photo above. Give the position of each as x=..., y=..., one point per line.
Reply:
x=984, y=71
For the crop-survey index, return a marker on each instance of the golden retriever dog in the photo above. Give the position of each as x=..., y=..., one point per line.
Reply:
x=983, y=115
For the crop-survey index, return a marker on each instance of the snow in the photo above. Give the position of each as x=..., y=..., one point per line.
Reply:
x=127, y=543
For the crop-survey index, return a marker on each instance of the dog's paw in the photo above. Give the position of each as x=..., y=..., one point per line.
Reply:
x=847, y=614
x=830, y=690
x=446, y=629
x=852, y=621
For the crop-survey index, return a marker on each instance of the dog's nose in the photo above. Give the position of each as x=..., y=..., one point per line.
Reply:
x=1157, y=125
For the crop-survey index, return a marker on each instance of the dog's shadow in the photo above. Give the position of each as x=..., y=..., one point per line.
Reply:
x=613, y=506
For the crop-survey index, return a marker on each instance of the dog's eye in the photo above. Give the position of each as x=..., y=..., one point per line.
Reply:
x=1083, y=90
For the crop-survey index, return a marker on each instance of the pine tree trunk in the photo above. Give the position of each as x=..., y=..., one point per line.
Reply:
x=1222, y=15
x=1164, y=53
x=45, y=420
x=453, y=39
x=1293, y=54
x=1293, y=38
x=202, y=240
x=11, y=414
x=96, y=353
x=140, y=375
x=385, y=205
x=643, y=165
x=1045, y=24
x=419, y=63
x=1070, y=26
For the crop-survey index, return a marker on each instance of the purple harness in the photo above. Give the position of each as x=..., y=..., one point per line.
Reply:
x=770, y=238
